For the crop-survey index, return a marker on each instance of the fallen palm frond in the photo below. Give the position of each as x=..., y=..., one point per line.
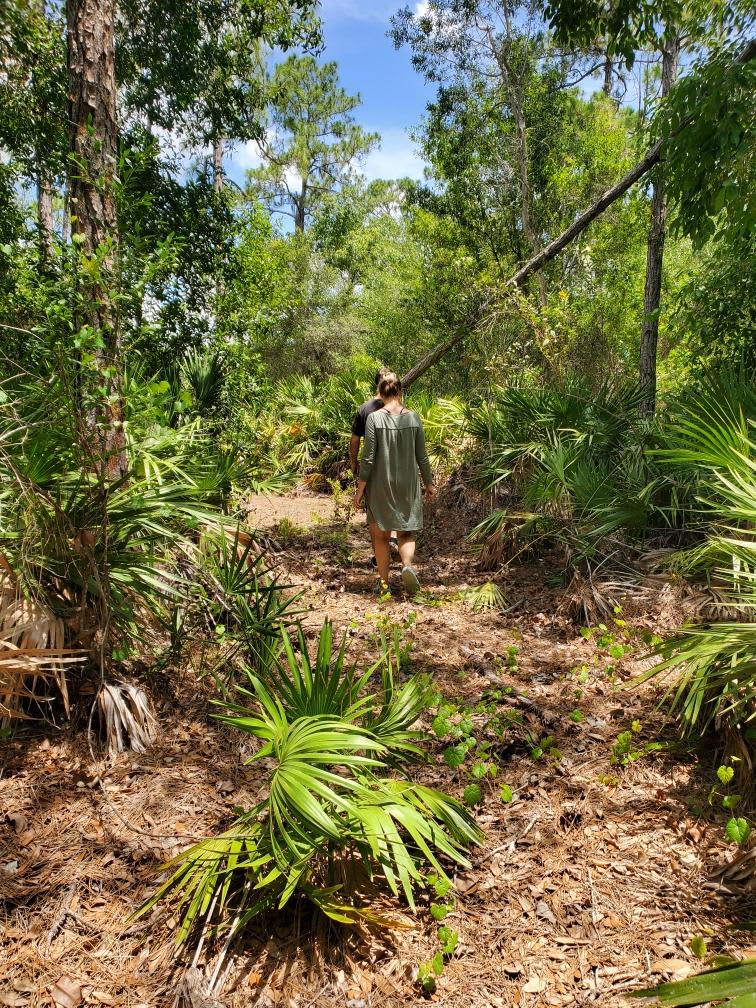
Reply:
x=486, y=596
x=32, y=649
x=126, y=717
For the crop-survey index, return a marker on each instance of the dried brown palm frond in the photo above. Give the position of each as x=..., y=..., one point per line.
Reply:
x=126, y=717
x=589, y=600
x=32, y=649
x=738, y=878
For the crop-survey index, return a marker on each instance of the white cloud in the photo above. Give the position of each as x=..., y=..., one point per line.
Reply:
x=443, y=23
x=293, y=179
x=246, y=155
x=397, y=157
x=359, y=10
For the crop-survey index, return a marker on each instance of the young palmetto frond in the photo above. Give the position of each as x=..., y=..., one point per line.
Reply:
x=485, y=596
x=204, y=373
x=331, y=799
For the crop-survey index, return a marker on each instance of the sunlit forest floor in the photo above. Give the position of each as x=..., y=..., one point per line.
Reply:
x=593, y=878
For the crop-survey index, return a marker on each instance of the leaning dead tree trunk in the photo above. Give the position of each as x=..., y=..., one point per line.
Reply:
x=93, y=149
x=655, y=253
x=549, y=252
x=653, y=156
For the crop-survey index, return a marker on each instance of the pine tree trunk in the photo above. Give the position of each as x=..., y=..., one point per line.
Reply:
x=300, y=209
x=218, y=176
x=45, y=220
x=655, y=254
x=93, y=150
x=608, y=70
x=44, y=192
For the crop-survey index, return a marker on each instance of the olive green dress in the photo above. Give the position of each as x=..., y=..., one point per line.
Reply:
x=393, y=452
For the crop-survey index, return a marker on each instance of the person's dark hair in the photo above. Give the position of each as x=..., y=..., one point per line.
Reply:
x=380, y=374
x=390, y=386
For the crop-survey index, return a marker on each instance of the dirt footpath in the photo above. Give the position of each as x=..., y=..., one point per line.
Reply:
x=591, y=880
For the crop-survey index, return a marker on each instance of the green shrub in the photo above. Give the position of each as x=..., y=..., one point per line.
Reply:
x=335, y=815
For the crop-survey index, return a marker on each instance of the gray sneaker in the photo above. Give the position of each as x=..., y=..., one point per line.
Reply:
x=410, y=580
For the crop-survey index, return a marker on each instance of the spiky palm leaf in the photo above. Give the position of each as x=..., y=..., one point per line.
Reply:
x=328, y=798
x=714, y=666
x=732, y=985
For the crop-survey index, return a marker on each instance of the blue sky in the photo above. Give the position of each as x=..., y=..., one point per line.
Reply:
x=393, y=94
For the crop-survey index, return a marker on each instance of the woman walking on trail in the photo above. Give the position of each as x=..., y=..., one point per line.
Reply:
x=393, y=453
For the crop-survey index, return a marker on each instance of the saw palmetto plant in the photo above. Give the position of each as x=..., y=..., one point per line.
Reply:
x=713, y=666
x=338, y=815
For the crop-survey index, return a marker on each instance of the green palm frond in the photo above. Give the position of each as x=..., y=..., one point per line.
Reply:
x=714, y=668
x=484, y=597
x=330, y=743
x=204, y=373
x=733, y=985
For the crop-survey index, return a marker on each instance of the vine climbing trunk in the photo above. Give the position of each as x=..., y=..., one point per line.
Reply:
x=655, y=252
x=93, y=150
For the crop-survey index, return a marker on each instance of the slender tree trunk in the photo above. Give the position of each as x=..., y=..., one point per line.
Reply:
x=45, y=219
x=300, y=209
x=525, y=194
x=515, y=90
x=608, y=71
x=655, y=253
x=93, y=149
x=44, y=189
x=218, y=176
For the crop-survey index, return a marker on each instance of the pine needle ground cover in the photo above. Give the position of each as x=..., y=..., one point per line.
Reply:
x=598, y=869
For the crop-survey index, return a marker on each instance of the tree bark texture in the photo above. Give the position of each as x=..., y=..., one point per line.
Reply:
x=218, y=176
x=93, y=150
x=300, y=208
x=608, y=70
x=45, y=220
x=655, y=254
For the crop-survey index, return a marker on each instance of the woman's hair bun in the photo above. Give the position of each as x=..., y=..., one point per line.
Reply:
x=390, y=386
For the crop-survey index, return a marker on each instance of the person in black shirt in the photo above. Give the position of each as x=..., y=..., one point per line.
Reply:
x=360, y=419
x=358, y=433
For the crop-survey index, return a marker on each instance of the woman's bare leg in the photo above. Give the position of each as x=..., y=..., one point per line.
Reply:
x=407, y=548
x=382, y=551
